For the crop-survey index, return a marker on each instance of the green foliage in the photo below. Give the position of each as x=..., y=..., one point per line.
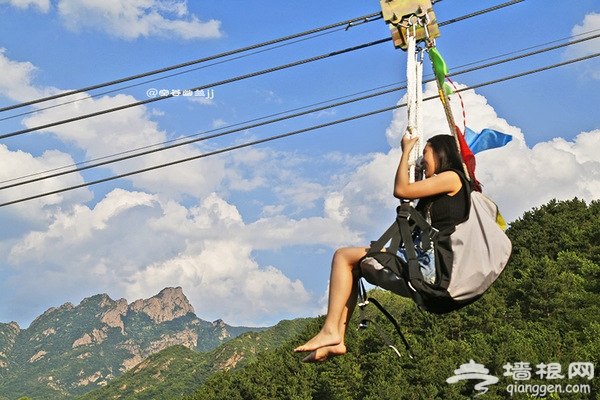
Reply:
x=169, y=365
x=71, y=350
x=178, y=370
x=543, y=309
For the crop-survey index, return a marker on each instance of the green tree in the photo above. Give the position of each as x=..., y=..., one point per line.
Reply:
x=544, y=308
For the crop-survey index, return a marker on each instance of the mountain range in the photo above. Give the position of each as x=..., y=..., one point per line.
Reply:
x=71, y=350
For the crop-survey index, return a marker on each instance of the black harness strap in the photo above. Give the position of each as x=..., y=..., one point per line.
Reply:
x=363, y=321
x=391, y=233
x=407, y=219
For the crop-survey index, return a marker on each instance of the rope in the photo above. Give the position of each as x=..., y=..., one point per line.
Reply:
x=414, y=94
x=462, y=104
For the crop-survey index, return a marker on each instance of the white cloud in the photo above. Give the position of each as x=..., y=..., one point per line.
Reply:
x=269, y=96
x=334, y=208
x=218, y=123
x=519, y=177
x=42, y=5
x=134, y=18
x=516, y=176
x=18, y=166
x=114, y=133
x=589, y=26
x=15, y=80
x=75, y=231
x=125, y=130
x=223, y=281
x=132, y=245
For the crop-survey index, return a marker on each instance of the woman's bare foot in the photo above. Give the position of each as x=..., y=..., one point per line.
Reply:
x=322, y=339
x=325, y=353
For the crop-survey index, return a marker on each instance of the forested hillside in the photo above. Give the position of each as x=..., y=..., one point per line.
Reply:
x=537, y=331
x=177, y=370
x=71, y=350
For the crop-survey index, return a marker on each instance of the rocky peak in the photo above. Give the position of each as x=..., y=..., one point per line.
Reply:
x=112, y=317
x=86, y=335
x=169, y=304
x=218, y=323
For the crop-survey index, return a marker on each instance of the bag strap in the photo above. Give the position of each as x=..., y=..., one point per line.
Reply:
x=470, y=187
x=392, y=233
x=363, y=324
x=428, y=232
x=411, y=254
x=406, y=213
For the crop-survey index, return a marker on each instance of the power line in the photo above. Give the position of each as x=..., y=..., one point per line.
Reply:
x=261, y=141
x=203, y=138
x=477, y=13
x=147, y=101
x=186, y=64
x=118, y=89
x=214, y=84
x=535, y=71
x=289, y=116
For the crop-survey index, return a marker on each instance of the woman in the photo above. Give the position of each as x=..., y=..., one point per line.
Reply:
x=442, y=193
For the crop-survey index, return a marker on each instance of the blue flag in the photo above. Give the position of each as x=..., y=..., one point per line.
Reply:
x=485, y=140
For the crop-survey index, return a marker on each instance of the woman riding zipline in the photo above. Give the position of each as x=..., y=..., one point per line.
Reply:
x=442, y=195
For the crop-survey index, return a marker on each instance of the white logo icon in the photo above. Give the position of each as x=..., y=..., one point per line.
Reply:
x=471, y=371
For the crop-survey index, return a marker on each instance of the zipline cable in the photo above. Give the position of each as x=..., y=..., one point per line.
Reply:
x=143, y=102
x=246, y=127
x=119, y=89
x=212, y=85
x=186, y=64
x=261, y=141
x=477, y=13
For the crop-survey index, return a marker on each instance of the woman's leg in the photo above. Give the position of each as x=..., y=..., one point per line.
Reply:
x=342, y=301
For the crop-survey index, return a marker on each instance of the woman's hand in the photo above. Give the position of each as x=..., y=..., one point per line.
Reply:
x=408, y=142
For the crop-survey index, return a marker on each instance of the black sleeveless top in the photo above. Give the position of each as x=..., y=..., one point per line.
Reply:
x=444, y=210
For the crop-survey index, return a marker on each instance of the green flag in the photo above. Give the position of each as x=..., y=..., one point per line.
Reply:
x=440, y=69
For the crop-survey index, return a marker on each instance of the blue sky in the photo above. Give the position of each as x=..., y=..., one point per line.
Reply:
x=249, y=234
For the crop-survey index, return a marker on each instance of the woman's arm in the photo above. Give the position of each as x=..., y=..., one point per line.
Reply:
x=445, y=182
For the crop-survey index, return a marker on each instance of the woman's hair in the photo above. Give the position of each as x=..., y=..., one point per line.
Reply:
x=446, y=152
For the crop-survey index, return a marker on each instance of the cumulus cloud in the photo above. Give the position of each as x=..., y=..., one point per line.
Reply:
x=132, y=245
x=122, y=131
x=589, y=26
x=16, y=79
x=183, y=225
x=223, y=281
x=517, y=177
x=19, y=166
x=115, y=133
x=137, y=18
